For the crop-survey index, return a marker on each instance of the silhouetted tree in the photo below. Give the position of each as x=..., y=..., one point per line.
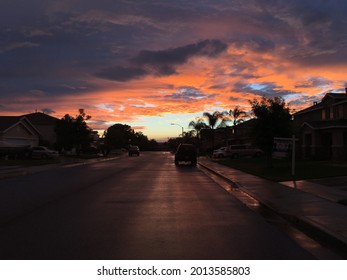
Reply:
x=235, y=115
x=213, y=118
x=118, y=136
x=213, y=122
x=189, y=137
x=141, y=140
x=73, y=132
x=273, y=119
x=122, y=136
x=197, y=126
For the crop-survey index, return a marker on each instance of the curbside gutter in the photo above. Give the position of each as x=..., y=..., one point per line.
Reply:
x=233, y=183
x=40, y=168
x=336, y=240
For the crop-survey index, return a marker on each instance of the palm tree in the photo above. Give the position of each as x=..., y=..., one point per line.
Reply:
x=213, y=118
x=189, y=136
x=197, y=126
x=237, y=115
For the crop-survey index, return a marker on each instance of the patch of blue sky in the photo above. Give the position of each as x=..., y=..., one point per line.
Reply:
x=258, y=86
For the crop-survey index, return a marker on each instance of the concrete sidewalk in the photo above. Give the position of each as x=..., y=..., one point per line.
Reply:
x=323, y=216
x=334, y=193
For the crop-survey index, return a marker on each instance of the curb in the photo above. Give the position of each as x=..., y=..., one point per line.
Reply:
x=230, y=181
x=89, y=162
x=24, y=172
x=323, y=233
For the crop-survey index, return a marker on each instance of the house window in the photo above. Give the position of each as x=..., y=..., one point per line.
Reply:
x=308, y=139
x=323, y=115
x=307, y=145
x=338, y=112
x=326, y=114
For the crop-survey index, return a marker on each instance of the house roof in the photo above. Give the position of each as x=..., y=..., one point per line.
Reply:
x=342, y=123
x=6, y=122
x=39, y=118
x=337, y=96
x=311, y=108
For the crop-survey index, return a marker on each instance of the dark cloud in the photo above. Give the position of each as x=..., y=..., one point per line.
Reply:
x=50, y=52
x=234, y=99
x=48, y=111
x=189, y=94
x=243, y=70
x=49, y=87
x=313, y=82
x=122, y=74
x=316, y=34
x=56, y=46
x=255, y=43
x=305, y=101
x=310, y=33
x=163, y=62
x=185, y=94
x=180, y=55
x=97, y=123
x=262, y=89
x=218, y=86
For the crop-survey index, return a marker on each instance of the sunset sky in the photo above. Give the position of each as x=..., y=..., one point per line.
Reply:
x=152, y=63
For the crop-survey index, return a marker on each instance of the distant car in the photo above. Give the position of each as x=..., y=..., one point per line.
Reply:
x=134, y=150
x=186, y=153
x=236, y=151
x=220, y=153
x=43, y=152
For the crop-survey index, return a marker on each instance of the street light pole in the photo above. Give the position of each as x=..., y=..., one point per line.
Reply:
x=180, y=126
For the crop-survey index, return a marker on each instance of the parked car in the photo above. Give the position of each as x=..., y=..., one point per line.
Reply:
x=236, y=151
x=134, y=150
x=220, y=153
x=43, y=152
x=186, y=153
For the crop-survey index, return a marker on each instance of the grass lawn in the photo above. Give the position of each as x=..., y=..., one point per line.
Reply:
x=281, y=170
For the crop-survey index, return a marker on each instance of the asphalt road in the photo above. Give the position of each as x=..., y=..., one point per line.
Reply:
x=132, y=208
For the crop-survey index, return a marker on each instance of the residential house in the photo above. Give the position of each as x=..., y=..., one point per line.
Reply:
x=17, y=132
x=45, y=124
x=322, y=128
x=242, y=133
x=225, y=136
x=211, y=139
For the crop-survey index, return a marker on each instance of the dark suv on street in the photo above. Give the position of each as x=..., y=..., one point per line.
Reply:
x=186, y=153
x=134, y=150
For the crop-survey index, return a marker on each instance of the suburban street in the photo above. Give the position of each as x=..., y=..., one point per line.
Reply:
x=132, y=208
